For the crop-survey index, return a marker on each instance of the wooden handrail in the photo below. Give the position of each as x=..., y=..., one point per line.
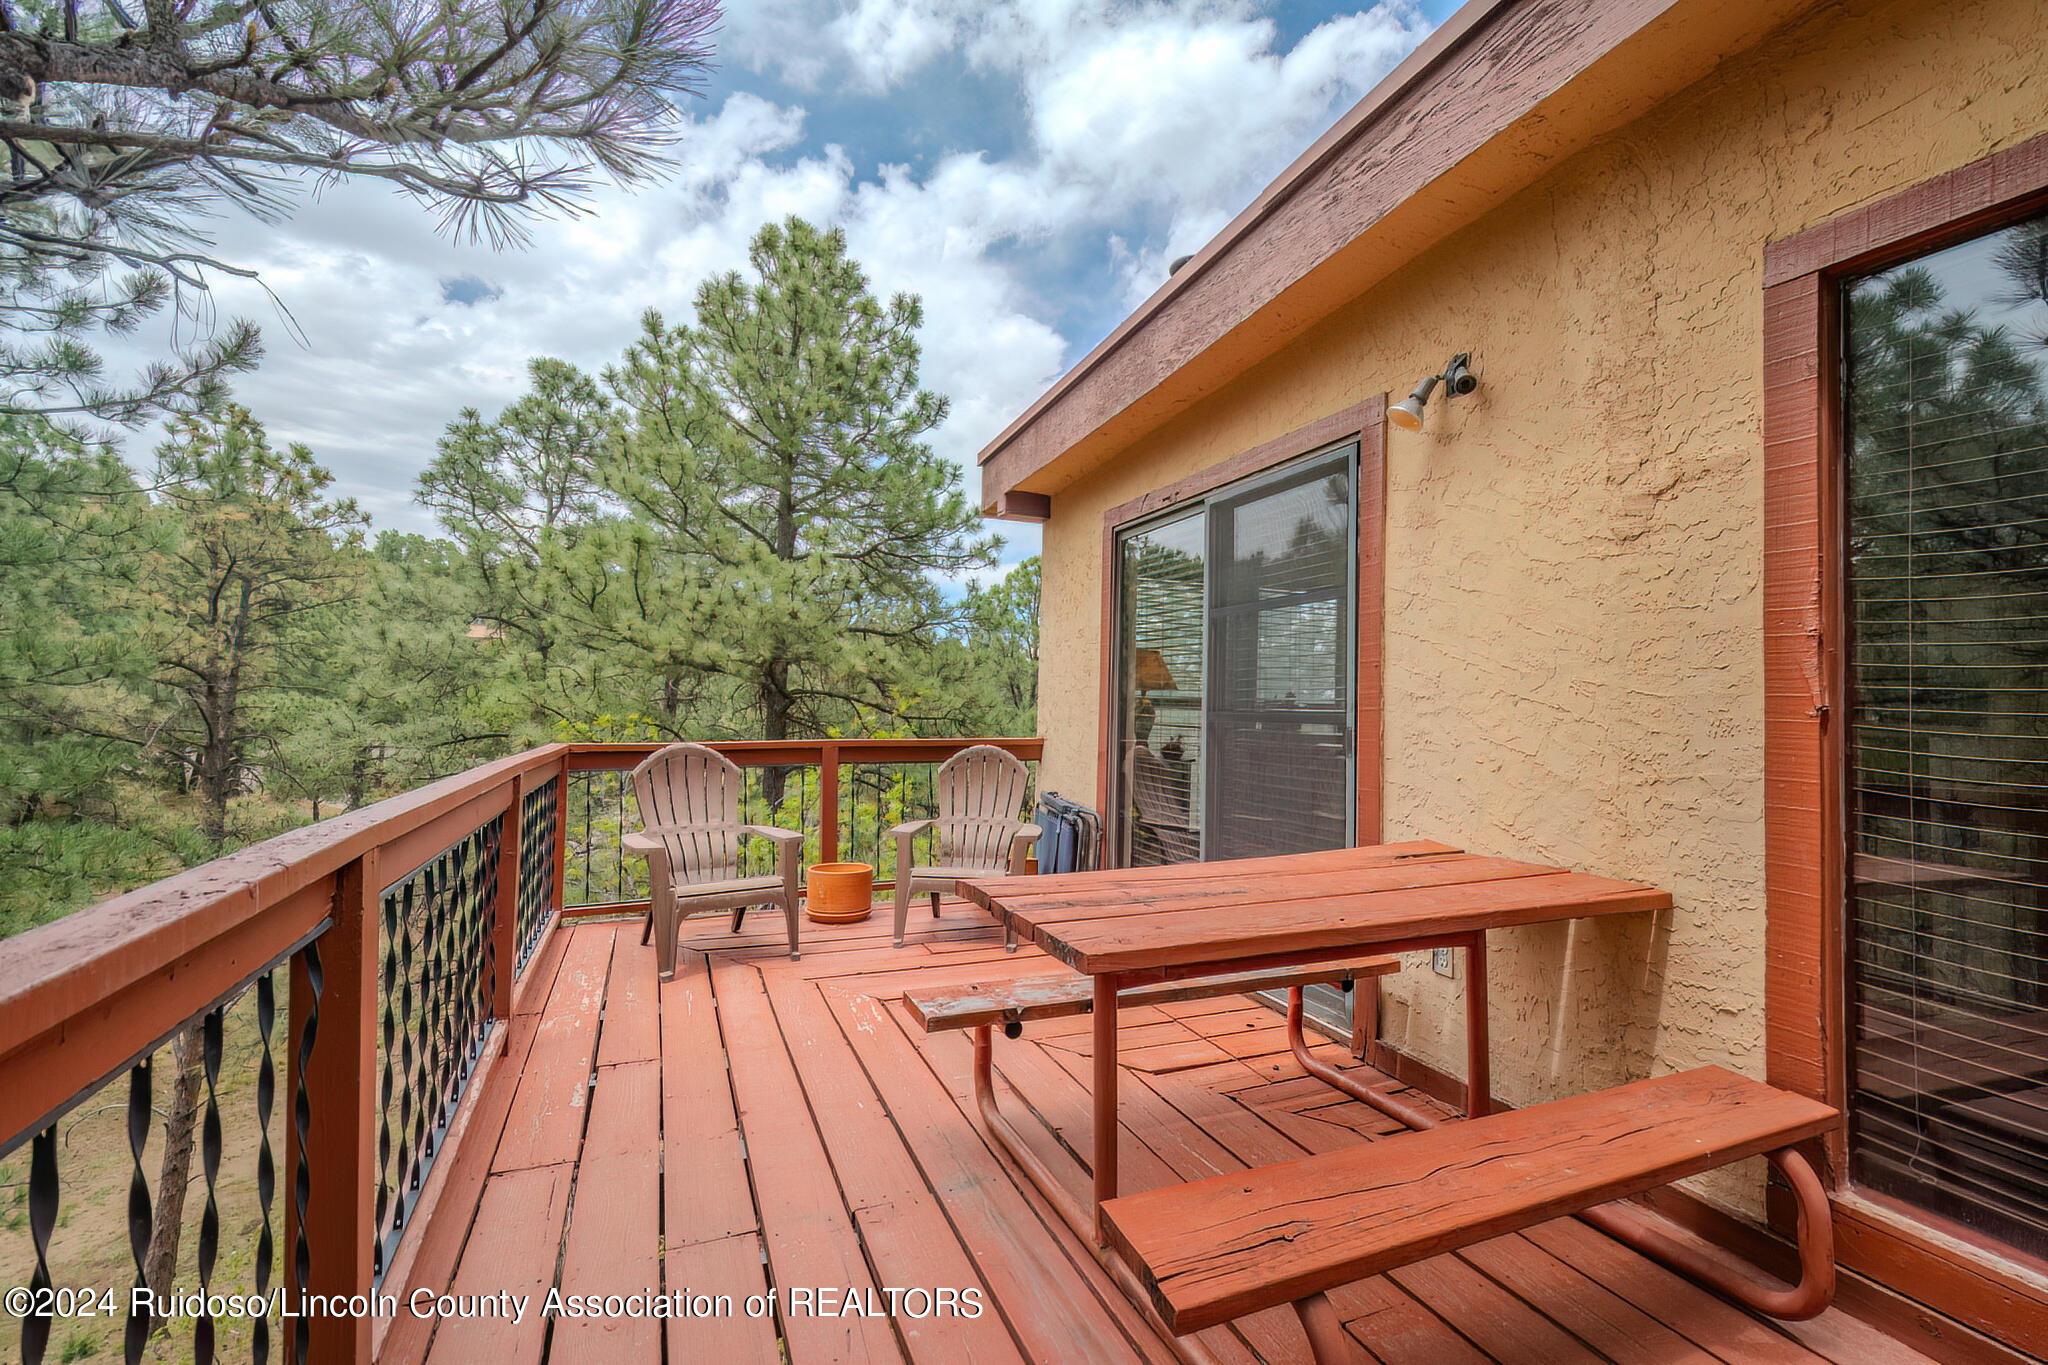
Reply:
x=769, y=753
x=61, y=969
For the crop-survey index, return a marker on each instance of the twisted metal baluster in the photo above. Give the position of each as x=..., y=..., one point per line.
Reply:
x=302, y=1177
x=557, y=851
x=489, y=937
x=408, y=1054
x=537, y=874
x=43, y=1191
x=209, y=1169
x=433, y=1006
x=447, y=915
x=386, y=1080
x=521, y=912
x=479, y=962
x=460, y=984
x=447, y=1000
x=266, y=1163
x=469, y=961
x=486, y=941
x=141, y=1213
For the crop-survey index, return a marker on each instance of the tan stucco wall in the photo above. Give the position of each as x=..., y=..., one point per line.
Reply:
x=1574, y=553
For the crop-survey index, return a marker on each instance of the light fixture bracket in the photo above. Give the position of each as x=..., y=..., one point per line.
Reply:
x=1457, y=379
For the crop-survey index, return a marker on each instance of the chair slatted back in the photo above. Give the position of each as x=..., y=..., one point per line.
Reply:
x=981, y=795
x=697, y=788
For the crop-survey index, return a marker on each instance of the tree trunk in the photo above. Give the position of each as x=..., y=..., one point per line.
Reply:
x=776, y=701
x=359, y=780
x=216, y=786
x=776, y=705
x=160, y=1262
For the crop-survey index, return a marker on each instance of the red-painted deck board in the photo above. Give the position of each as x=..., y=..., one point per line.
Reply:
x=644, y=1136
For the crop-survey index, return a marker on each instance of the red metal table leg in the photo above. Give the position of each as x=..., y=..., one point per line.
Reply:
x=1084, y=1222
x=1297, y=1042
x=1478, y=1050
x=1794, y=1303
x=1328, y=1343
x=1105, y=1096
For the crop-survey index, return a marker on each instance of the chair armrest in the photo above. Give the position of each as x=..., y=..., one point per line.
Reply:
x=789, y=853
x=647, y=839
x=700, y=828
x=910, y=829
x=1022, y=838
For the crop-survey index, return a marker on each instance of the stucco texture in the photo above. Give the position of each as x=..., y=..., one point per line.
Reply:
x=1574, y=553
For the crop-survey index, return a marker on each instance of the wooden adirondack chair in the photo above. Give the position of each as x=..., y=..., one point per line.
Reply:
x=691, y=837
x=980, y=794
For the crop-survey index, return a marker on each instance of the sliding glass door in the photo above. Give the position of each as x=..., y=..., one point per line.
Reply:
x=1235, y=659
x=1946, y=420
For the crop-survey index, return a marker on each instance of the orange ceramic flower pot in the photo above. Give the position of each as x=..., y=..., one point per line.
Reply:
x=839, y=893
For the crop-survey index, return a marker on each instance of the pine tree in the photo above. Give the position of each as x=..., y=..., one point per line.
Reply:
x=244, y=587
x=787, y=524
x=518, y=492
x=71, y=529
x=127, y=126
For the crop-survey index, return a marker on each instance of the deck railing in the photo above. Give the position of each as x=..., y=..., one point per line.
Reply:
x=305, y=1018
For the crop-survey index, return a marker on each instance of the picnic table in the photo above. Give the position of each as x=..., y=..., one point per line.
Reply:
x=1126, y=928
x=1200, y=1254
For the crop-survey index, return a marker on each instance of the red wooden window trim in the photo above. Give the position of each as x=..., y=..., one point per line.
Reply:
x=1366, y=422
x=1804, y=835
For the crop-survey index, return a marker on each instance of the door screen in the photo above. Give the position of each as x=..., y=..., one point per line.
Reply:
x=1280, y=657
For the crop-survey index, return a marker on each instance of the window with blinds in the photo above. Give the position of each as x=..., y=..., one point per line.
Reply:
x=1163, y=665
x=1946, y=432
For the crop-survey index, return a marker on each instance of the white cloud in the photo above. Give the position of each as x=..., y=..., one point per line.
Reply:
x=886, y=41
x=1141, y=129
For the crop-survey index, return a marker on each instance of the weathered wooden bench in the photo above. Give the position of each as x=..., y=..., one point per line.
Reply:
x=1212, y=1250
x=1012, y=1004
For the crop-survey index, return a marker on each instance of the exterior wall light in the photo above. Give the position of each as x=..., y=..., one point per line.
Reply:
x=1457, y=380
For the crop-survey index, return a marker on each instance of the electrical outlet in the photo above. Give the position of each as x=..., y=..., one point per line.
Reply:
x=1440, y=962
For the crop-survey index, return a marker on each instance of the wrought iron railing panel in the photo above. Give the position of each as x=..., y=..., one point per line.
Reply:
x=195, y=1116
x=436, y=980
x=538, y=814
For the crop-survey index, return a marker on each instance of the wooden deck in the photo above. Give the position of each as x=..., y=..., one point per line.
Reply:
x=758, y=1119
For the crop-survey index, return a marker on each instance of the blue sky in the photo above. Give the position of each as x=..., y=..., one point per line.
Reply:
x=1027, y=166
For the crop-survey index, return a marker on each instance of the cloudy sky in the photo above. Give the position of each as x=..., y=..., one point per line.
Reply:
x=1027, y=166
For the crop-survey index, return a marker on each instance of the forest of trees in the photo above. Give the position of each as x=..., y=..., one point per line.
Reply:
x=735, y=531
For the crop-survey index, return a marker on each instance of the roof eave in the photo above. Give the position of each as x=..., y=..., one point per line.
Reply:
x=1503, y=91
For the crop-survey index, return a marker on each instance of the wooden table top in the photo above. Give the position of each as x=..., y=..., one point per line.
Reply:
x=1126, y=919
